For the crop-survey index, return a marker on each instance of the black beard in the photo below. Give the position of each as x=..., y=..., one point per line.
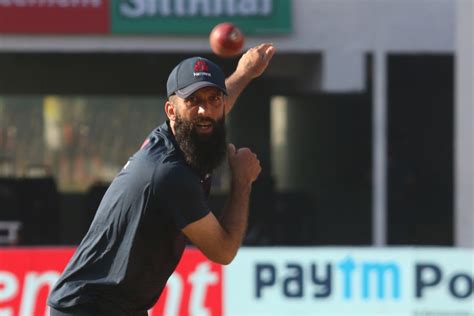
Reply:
x=202, y=152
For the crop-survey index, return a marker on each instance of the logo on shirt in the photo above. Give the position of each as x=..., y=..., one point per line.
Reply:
x=146, y=142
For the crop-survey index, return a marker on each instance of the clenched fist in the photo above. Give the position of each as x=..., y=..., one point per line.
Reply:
x=244, y=165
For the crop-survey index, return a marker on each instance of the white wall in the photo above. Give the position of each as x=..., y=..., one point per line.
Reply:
x=464, y=126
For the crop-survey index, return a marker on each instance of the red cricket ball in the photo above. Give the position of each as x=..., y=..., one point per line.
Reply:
x=226, y=40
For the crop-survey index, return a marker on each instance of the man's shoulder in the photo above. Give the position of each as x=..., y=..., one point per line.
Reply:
x=162, y=131
x=160, y=142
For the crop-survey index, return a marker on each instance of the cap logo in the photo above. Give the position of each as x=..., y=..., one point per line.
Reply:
x=200, y=65
x=201, y=69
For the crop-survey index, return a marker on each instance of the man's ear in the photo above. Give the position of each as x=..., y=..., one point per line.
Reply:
x=170, y=111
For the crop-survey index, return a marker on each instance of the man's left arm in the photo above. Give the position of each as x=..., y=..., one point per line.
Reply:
x=251, y=65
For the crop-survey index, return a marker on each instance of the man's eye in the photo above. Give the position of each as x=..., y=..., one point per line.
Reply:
x=192, y=100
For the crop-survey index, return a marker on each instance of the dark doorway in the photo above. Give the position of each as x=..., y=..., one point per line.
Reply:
x=420, y=175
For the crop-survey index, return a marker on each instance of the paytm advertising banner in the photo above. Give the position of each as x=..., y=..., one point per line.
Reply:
x=276, y=281
x=350, y=281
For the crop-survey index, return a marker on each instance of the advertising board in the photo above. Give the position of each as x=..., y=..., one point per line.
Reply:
x=350, y=281
x=27, y=275
x=134, y=17
x=54, y=16
x=276, y=281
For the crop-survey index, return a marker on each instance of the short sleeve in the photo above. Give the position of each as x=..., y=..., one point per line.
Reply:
x=181, y=194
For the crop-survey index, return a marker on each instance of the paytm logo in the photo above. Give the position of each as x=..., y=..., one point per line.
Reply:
x=381, y=272
x=367, y=280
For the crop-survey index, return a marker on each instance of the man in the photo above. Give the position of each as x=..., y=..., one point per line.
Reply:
x=160, y=198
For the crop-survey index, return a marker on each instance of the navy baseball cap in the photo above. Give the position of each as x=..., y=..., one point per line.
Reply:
x=193, y=74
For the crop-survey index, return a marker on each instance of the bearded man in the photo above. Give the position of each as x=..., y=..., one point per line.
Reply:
x=159, y=199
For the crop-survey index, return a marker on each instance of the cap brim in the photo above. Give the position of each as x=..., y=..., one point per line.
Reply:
x=186, y=92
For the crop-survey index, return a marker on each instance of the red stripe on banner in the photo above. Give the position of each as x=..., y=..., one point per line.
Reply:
x=26, y=277
x=194, y=289
x=28, y=274
x=55, y=16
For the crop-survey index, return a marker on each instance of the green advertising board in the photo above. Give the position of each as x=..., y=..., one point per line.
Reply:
x=194, y=17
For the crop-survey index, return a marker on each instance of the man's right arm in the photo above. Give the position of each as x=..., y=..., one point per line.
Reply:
x=219, y=240
x=251, y=65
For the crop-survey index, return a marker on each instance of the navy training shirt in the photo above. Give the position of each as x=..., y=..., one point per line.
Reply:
x=135, y=241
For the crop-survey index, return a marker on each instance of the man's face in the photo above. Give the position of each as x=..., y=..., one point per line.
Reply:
x=200, y=128
x=205, y=105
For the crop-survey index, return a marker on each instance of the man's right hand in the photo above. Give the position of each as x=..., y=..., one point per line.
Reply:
x=244, y=165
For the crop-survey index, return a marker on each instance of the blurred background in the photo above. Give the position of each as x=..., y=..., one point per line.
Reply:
x=363, y=122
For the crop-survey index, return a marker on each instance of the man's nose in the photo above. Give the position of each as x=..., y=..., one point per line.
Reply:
x=204, y=108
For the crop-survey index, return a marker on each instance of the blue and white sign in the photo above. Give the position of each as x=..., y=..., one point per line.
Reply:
x=350, y=281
